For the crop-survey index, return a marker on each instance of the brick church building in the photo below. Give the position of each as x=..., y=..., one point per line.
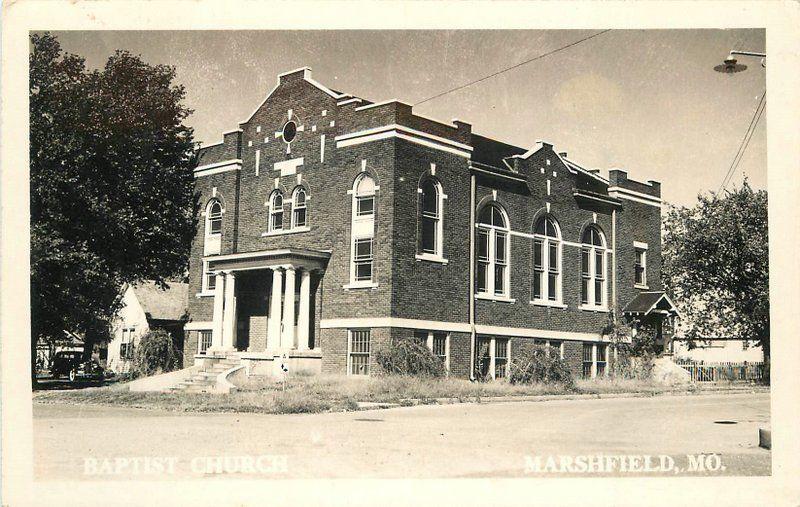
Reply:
x=331, y=226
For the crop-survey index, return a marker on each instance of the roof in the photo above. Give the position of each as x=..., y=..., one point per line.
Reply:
x=161, y=304
x=645, y=302
x=491, y=152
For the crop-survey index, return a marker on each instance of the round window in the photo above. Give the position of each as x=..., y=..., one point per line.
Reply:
x=289, y=131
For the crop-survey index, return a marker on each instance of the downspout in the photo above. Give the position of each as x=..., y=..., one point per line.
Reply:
x=472, y=277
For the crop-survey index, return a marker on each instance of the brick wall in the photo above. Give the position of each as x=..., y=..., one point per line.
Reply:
x=407, y=288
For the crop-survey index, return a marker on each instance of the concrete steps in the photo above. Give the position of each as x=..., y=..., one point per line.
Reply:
x=205, y=380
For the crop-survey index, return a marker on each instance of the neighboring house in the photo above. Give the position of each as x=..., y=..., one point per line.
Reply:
x=717, y=350
x=332, y=226
x=146, y=307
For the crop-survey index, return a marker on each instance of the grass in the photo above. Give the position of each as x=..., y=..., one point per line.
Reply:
x=328, y=393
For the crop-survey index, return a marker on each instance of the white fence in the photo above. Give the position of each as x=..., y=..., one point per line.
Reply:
x=716, y=372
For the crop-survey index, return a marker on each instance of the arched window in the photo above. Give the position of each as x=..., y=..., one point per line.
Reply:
x=362, y=231
x=214, y=217
x=593, y=267
x=546, y=261
x=276, y=211
x=493, y=251
x=430, y=218
x=299, y=208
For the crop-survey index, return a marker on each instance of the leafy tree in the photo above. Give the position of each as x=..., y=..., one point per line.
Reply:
x=112, y=198
x=716, y=263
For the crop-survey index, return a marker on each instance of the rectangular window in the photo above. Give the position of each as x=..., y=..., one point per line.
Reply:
x=429, y=232
x=363, y=259
x=587, y=360
x=552, y=271
x=358, y=358
x=601, y=359
x=365, y=205
x=639, y=266
x=599, y=278
x=500, y=263
x=585, y=276
x=276, y=220
x=483, y=358
x=538, y=268
x=483, y=261
x=300, y=216
x=439, y=345
x=205, y=341
x=421, y=337
x=500, y=357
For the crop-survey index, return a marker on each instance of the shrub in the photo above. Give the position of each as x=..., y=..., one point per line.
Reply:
x=534, y=365
x=636, y=350
x=155, y=353
x=409, y=357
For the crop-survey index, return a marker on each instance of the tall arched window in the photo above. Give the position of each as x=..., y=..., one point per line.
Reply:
x=593, y=267
x=430, y=218
x=214, y=217
x=299, y=208
x=212, y=243
x=493, y=251
x=362, y=231
x=546, y=261
x=276, y=211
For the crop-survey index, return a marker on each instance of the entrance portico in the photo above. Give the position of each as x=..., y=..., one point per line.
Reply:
x=282, y=279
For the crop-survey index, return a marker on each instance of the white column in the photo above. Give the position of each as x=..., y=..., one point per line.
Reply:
x=287, y=324
x=274, y=318
x=216, y=328
x=229, y=318
x=304, y=315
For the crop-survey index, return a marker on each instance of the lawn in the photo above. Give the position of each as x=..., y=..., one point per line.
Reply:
x=323, y=393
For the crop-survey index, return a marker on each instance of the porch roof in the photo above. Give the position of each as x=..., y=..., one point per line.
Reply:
x=298, y=257
x=649, y=302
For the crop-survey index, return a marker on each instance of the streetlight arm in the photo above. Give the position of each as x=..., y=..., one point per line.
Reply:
x=749, y=53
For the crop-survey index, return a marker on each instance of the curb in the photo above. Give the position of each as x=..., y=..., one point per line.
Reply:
x=369, y=405
x=765, y=438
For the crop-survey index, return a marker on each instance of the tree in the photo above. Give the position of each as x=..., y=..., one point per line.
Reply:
x=716, y=264
x=112, y=196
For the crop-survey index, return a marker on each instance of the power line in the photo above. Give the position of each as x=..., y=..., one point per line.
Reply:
x=512, y=67
x=745, y=141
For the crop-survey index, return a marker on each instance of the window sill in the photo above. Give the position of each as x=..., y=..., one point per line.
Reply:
x=491, y=297
x=640, y=286
x=283, y=232
x=360, y=285
x=431, y=258
x=589, y=308
x=204, y=295
x=549, y=304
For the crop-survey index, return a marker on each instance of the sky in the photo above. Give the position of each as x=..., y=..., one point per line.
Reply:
x=646, y=101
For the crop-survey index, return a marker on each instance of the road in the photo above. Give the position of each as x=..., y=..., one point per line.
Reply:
x=463, y=440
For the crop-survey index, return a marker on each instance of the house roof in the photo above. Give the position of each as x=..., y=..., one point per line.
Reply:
x=161, y=304
x=646, y=302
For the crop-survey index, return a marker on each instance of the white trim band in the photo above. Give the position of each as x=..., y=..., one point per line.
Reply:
x=457, y=327
x=402, y=128
x=198, y=326
x=234, y=164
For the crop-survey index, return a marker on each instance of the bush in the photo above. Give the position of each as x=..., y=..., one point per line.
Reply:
x=155, y=353
x=534, y=365
x=409, y=357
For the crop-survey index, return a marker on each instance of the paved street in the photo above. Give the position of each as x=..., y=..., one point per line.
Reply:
x=464, y=440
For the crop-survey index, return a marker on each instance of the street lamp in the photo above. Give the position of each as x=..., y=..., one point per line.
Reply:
x=730, y=65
